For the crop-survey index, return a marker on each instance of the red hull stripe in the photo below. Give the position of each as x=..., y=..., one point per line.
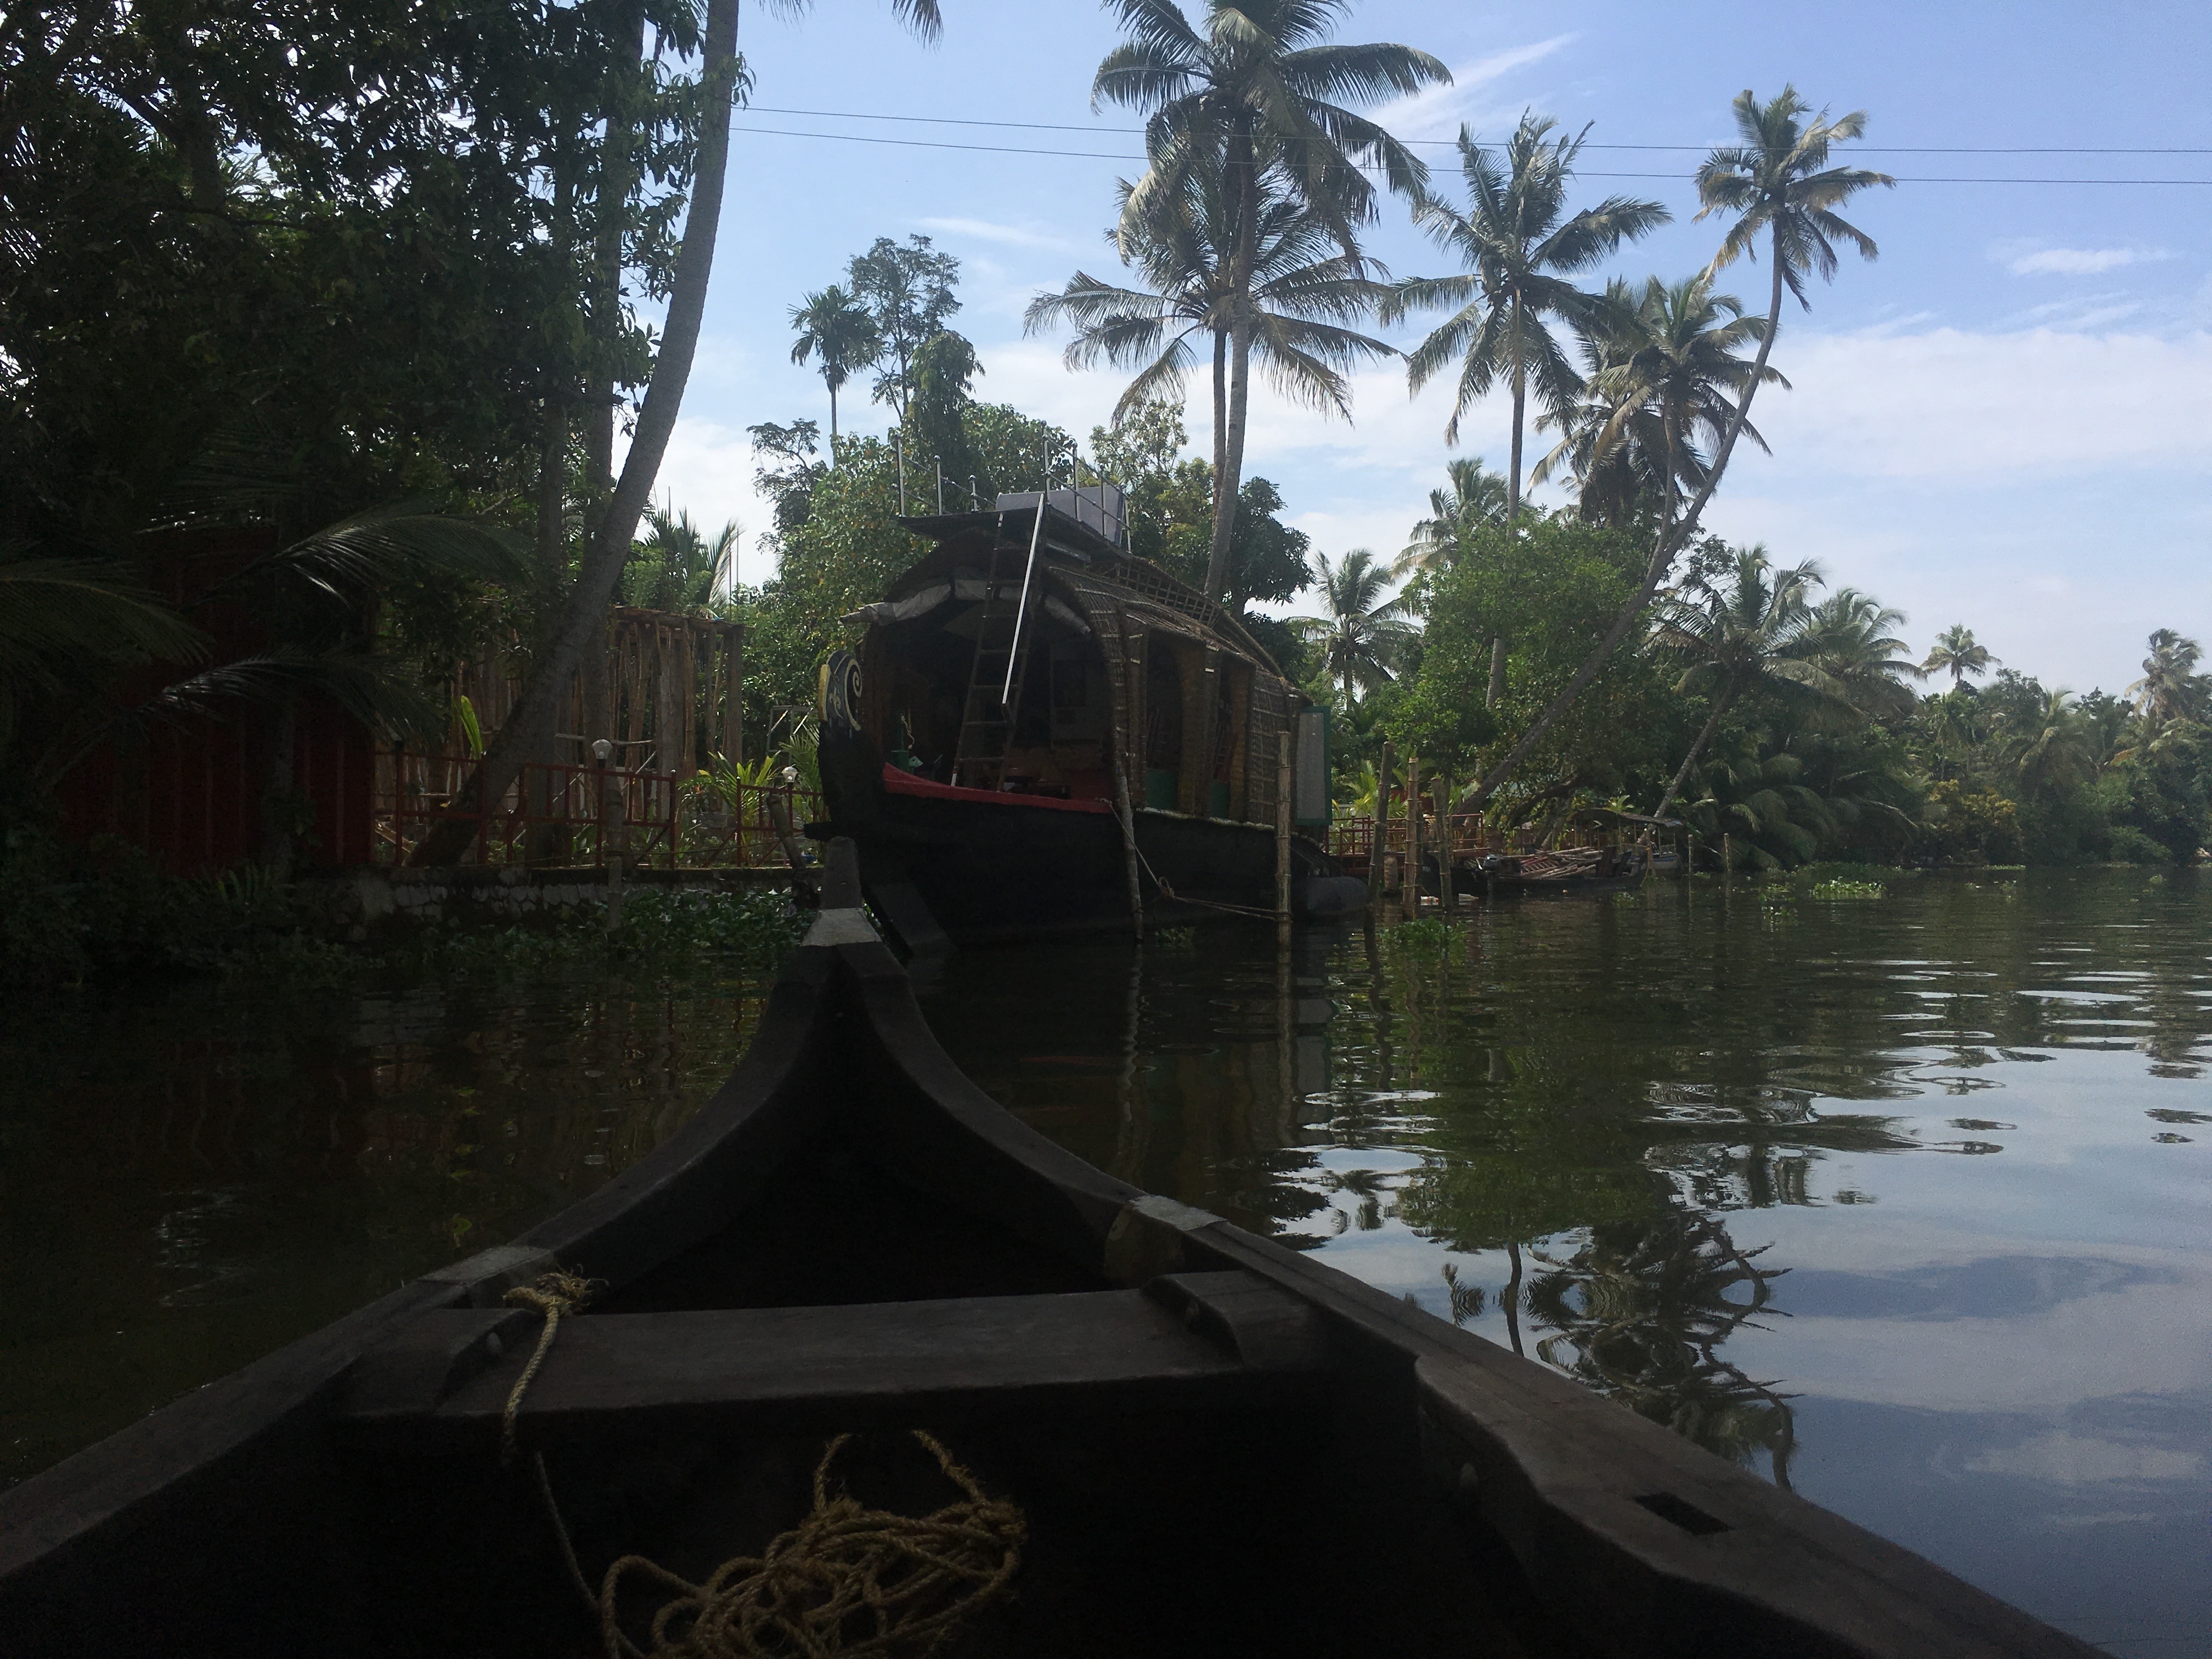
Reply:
x=905, y=783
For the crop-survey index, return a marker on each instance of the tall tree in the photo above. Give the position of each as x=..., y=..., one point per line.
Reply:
x=2171, y=688
x=839, y=333
x=1362, y=635
x=1473, y=497
x=583, y=615
x=1667, y=376
x=908, y=292
x=1260, y=77
x=1743, y=626
x=1299, y=293
x=1779, y=184
x=1518, y=245
x=1957, y=652
x=1851, y=635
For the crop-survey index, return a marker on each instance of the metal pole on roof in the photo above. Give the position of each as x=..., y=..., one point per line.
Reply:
x=1021, y=610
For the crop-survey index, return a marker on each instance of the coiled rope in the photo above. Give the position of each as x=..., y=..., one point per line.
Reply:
x=847, y=1583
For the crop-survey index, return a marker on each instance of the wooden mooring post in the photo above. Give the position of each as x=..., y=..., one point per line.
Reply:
x=612, y=838
x=1409, y=878
x=1283, y=840
x=1378, y=854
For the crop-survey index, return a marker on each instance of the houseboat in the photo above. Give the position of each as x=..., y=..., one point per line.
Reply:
x=1041, y=733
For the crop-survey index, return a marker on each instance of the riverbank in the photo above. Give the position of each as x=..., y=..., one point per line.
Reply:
x=104, y=916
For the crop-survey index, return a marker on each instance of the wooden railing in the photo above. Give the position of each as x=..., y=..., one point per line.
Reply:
x=1352, y=839
x=571, y=815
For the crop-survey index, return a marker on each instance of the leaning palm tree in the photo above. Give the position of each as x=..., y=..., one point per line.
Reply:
x=1476, y=498
x=2171, y=688
x=1257, y=76
x=1780, y=185
x=836, y=329
x=1362, y=636
x=582, y=619
x=1294, y=302
x=1956, y=651
x=1519, y=246
x=1745, y=627
x=1667, y=377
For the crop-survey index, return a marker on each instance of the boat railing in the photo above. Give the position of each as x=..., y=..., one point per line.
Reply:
x=573, y=816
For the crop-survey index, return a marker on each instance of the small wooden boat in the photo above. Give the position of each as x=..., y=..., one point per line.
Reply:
x=1219, y=1445
x=1627, y=851
x=1040, y=733
x=1575, y=871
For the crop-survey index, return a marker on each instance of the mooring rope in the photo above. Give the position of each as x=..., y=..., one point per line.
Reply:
x=1174, y=897
x=847, y=1583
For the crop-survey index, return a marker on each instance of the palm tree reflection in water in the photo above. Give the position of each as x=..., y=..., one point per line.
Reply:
x=1640, y=1312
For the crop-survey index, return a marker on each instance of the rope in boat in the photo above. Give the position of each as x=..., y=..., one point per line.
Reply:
x=847, y=1583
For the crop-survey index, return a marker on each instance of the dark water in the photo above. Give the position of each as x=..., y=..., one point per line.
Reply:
x=1900, y=1200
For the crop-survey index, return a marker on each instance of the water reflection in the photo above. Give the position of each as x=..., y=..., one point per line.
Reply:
x=1802, y=1181
x=190, y=1179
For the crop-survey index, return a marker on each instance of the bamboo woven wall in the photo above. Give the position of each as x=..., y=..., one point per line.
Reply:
x=669, y=689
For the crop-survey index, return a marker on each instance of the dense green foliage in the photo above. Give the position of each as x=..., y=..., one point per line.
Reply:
x=103, y=913
x=1786, y=717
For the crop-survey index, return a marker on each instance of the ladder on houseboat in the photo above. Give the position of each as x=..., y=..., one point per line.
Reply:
x=995, y=673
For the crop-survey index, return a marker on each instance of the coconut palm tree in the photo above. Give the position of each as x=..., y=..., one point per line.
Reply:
x=2055, y=749
x=1667, y=374
x=1297, y=296
x=1474, y=498
x=836, y=329
x=1746, y=626
x=2171, y=688
x=1519, y=246
x=1779, y=184
x=678, y=567
x=1849, y=636
x=1955, y=650
x=1258, y=81
x=1362, y=636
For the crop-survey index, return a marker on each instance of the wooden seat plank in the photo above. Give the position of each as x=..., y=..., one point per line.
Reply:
x=1194, y=1339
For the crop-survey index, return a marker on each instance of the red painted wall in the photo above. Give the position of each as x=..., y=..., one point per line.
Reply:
x=190, y=793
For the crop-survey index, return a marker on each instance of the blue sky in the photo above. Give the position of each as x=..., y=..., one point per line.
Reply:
x=2005, y=421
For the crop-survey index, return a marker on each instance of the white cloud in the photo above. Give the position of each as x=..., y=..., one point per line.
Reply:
x=2074, y=1460
x=1439, y=111
x=1952, y=404
x=2075, y=261
x=986, y=230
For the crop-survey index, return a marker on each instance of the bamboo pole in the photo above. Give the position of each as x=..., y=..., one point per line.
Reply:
x=1378, y=854
x=1409, y=882
x=1447, y=887
x=734, y=691
x=1128, y=841
x=1283, y=840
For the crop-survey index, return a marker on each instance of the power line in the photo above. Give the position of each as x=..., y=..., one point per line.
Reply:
x=1693, y=149
x=1116, y=155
